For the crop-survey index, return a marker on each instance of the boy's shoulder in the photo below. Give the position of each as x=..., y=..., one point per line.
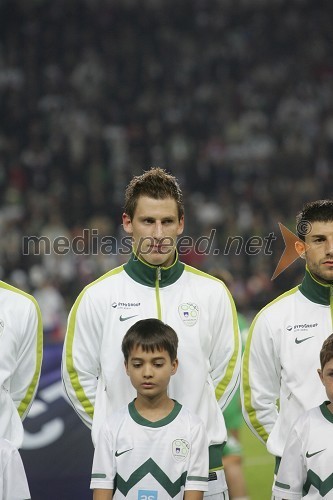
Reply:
x=117, y=418
x=193, y=419
x=312, y=419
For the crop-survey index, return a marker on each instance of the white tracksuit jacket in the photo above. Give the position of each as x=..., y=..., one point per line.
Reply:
x=281, y=358
x=21, y=346
x=196, y=305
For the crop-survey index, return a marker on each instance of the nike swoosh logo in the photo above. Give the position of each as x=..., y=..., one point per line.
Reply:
x=127, y=317
x=299, y=341
x=309, y=455
x=122, y=452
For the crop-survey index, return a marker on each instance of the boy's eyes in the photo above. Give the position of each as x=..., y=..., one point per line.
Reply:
x=158, y=364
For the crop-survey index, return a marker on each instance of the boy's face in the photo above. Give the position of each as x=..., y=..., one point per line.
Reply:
x=150, y=372
x=154, y=228
x=326, y=376
x=319, y=251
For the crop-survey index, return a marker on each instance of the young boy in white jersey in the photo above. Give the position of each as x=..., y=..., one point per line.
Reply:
x=306, y=469
x=152, y=449
x=13, y=481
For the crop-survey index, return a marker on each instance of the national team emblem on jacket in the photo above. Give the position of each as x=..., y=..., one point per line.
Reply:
x=2, y=326
x=180, y=449
x=189, y=313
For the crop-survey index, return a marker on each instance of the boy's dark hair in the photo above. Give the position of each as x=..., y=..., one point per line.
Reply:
x=155, y=183
x=314, y=211
x=151, y=335
x=326, y=353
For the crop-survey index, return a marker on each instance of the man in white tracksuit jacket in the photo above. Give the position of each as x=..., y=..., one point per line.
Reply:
x=154, y=283
x=279, y=380
x=21, y=345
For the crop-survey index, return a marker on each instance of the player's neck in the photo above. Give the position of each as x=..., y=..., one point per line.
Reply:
x=154, y=409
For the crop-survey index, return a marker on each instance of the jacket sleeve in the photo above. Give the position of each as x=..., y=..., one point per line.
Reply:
x=226, y=349
x=81, y=354
x=292, y=473
x=260, y=385
x=26, y=373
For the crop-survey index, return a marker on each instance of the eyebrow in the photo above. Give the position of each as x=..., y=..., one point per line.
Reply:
x=141, y=359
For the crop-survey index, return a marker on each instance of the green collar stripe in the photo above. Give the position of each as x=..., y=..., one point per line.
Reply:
x=159, y=423
x=326, y=412
x=74, y=378
x=145, y=274
x=151, y=467
x=246, y=372
x=315, y=291
x=28, y=397
x=323, y=487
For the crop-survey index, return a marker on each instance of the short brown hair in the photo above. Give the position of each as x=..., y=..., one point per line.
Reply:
x=155, y=183
x=313, y=211
x=151, y=335
x=326, y=353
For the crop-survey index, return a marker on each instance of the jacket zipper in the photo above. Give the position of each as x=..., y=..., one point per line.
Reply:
x=331, y=302
x=157, y=292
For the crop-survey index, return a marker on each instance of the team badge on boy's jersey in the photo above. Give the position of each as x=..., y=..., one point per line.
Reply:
x=189, y=313
x=180, y=449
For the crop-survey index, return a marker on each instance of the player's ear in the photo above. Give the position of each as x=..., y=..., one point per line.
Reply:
x=300, y=248
x=174, y=366
x=181, y=226
x=320, y=373
x=127, y=223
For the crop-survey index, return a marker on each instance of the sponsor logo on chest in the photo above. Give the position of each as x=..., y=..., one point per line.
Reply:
x=301, y=327
x=125, y=305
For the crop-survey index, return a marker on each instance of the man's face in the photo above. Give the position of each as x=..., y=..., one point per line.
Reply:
x=319, y=251
x=154, y=229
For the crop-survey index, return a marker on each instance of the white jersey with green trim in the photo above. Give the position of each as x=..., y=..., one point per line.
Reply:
x=159, y=460
x=306, y=468
x=198, y=307
x=13, y=481
x=279, y=378
x=21, y=346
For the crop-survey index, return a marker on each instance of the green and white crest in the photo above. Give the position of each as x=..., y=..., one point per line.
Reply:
x=180, y=449
x=189, y=313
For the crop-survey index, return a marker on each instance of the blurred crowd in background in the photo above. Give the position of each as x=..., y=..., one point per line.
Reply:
x=234, y=97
